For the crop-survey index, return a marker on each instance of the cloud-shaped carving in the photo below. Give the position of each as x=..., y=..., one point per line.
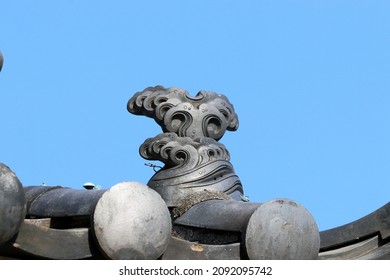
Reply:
x=207, y=114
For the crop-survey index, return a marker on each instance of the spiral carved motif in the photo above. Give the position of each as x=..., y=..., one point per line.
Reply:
x=207, y=114
x=190, y=166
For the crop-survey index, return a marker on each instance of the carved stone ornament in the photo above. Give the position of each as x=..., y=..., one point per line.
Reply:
x=191, y=165
x=208, y=114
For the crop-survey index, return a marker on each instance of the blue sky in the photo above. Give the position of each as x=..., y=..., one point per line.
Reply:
x=308, y=79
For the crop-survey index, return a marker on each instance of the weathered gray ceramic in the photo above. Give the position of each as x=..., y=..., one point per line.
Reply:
x=131, y=221
x=12, y=204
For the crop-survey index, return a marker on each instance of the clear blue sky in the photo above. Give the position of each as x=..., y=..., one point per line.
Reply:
x=310, y=81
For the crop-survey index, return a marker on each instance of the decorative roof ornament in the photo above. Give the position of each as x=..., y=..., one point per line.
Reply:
x=191, y=165
x=194, y=159
x=208, y=114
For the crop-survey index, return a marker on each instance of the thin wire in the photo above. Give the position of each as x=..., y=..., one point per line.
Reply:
x=153, y=166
